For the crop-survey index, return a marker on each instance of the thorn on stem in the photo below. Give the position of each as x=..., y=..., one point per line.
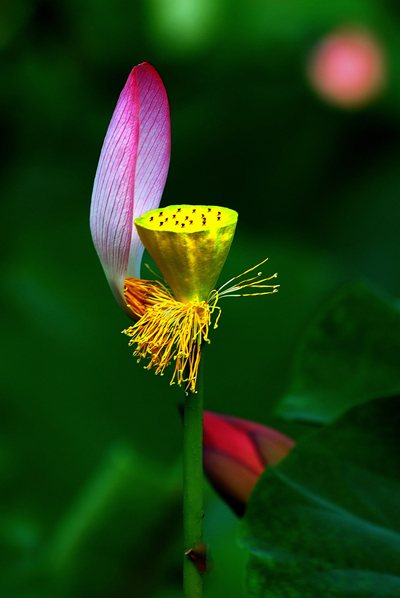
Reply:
x=198, y=555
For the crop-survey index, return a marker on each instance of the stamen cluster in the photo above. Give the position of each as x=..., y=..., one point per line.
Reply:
x=169, y=330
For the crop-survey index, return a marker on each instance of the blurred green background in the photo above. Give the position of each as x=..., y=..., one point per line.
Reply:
x=90, y=443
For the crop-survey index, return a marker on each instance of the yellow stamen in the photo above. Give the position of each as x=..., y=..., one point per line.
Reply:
x=168, y=329
x=142, y=294
x=254, y=283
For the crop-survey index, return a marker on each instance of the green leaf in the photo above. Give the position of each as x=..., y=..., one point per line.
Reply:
x=348, y=355
x=326, y=521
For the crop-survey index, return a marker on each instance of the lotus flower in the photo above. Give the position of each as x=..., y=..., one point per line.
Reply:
x=130, y=176
x=189, y=244
x=348, y=67
x=236, y=452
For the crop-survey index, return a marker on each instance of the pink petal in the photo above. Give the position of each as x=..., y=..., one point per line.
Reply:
x=131, y=174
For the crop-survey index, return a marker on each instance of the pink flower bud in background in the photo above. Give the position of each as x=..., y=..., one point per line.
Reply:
x=348, y=68
x=236, y=452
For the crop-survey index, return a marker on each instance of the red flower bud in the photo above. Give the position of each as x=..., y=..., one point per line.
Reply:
x=236, y=452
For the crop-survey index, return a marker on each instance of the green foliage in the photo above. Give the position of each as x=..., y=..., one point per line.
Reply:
x=326, y=521
x=348, y=355
x=89, y=441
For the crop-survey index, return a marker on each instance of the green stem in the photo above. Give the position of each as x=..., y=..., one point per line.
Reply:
x=193, y=485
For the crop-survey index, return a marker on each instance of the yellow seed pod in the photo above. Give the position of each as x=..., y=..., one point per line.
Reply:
x=189, y=244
